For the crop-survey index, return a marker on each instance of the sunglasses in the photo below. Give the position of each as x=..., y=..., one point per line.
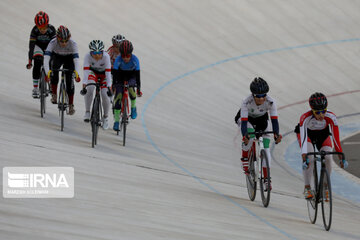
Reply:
x=96, y=53
x=317, y=112
x=260, y=95
x=126, y=56
x=63, y=41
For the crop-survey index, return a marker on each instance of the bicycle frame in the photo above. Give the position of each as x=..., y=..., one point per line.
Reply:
x=125, y=110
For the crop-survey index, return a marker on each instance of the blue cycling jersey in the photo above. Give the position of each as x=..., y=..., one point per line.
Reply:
x=132, y=65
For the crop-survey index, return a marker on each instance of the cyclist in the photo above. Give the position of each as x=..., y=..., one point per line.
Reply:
x=40, y=36
x=254, y=116
x=97, y=66
x=314, y=128
x=113, y=51
x=63, y=51
x=126, y=68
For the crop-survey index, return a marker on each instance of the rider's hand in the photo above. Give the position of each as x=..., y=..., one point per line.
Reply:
x=47, y=77
x=344, y=164
x=109, y=92
x=305, y=164
x=246, y=139
x=77, y=77
x=139, y=93
x=83, y=91
x=29, y=65
x=277, y=138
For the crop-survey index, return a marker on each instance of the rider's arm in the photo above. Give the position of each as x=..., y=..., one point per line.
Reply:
x=273, y=115
x=303, y=131
x=108, y=70
x=86, y=68
x=332, y=121
x=32, y=42
x=138, y=82
x=47, y=54
x=244, y=118
x=75, y=55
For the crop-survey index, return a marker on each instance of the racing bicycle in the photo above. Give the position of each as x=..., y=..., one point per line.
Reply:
x=321, y=188
x=258, y=161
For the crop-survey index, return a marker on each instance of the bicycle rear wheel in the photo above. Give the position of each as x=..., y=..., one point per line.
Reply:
x=312, y=204
x=264, y=190
x=62, y=103
x=124, y=119
x=95, y=121
x=251, y=177
x=326, y=199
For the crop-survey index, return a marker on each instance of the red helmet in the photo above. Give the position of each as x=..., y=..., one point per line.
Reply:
x=63, y=33
x=126, y=47
x=41, y=19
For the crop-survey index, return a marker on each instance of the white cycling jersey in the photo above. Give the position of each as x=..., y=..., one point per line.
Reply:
x=250, y=109
x=54, y=47
x=101, y=66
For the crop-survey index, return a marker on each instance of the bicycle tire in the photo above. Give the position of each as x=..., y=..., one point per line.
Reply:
x=124, y=119
x=326, y=201
x=265, y=195
x=93, y=121
x=251, y=177
x=62, y=103
x=312, y=204
x=42, y=86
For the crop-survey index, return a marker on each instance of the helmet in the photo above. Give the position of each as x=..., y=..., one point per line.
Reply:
x=126, y=47
x=116, y=40
x=259, y=86
x=41, y=19
x=63, y=33
x=318, y=101
x=96, y=45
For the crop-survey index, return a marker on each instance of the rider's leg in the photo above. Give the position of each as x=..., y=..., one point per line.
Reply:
x=132, y=95
x=38, y=61
x=56, y=64
x=119, y=88
x=308, y=173
x=246, y=148
x=88, y=97
x=327, y=146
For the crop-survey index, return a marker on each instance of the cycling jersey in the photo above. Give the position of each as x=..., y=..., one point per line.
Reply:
x=98, y=67
x=40, y=40
x=251, y=112
x=126, y=71
x=70, y=49
x=312, y=129
x=112, y=55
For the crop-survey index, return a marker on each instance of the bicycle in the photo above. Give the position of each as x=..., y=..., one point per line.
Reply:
x=96, y=111
x=63, y=100
x=256, y=171
x=124, y=114
x=321, y=189
x=44, y=91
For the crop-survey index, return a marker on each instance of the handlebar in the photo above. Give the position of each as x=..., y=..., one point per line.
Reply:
x=95, y=84
x=258, y=134
x=62, y=70
x=324, y=153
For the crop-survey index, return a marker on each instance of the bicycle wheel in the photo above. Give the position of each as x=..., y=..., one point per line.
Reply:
x=251, y=177
x=42, y=86
x=124, y=119
x=312, y=204
x=326, y=199
x=265, y=193
x=94, y=121
x=62, y=103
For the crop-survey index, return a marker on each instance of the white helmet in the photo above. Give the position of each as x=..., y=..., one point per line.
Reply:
x=96, y=45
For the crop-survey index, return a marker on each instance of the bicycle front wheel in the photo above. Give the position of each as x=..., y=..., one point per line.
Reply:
x=94, y=122
x=264, y=190
x=62, y=103
x=326, y=199
x=251, y=176
x=42, y=87
x=124, y=119
x=312, y=204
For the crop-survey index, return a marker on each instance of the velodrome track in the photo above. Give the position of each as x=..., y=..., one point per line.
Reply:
x=179, y=177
